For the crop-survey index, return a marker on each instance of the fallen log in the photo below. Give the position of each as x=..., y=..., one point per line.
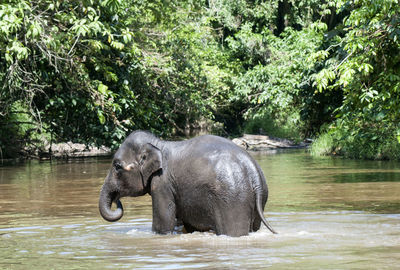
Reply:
x=262, y=142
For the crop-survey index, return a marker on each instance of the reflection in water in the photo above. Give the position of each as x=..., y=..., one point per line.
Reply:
x=330, y=214
x=369, y=176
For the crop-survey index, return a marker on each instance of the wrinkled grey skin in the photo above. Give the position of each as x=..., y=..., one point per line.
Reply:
x=206, y=183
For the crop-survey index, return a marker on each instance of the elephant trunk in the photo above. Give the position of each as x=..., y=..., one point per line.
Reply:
x=107, y=197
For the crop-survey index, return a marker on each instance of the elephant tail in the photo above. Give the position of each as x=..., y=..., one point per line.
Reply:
x=260, y=212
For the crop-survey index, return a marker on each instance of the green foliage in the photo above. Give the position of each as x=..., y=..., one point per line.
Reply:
x=20, y=132
x=275, y=87
x=323, y=145
x=92, y=71
x=360, y=143
x=266, y=124
x=363, y=63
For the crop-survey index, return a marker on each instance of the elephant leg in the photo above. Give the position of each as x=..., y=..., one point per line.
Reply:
x=189, y=228
x=235, y=230
x=164, y=210
x=233, y=223
x=163, y=215
x=256, y=223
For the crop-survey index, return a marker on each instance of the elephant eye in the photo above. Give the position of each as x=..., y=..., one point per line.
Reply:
x=117, y=166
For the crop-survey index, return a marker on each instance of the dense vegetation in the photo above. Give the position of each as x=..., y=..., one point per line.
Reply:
x=92, y=71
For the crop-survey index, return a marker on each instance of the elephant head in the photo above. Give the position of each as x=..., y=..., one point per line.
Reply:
x=133, y=165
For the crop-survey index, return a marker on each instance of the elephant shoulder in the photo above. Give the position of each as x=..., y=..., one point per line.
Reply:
x=207, y=143
x=213, y=139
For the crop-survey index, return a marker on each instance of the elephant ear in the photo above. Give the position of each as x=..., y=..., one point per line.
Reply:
x=150, y=161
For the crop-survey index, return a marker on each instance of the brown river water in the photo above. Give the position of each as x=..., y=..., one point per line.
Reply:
x=330, y=213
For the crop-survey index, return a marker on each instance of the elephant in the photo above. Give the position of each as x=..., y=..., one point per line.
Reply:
x=206, y=183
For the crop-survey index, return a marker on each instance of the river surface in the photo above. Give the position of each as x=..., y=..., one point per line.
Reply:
x=330, y=213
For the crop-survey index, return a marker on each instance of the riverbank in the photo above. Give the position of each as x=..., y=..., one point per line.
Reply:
x=248, y=142
x=59, y=151
x=252, y=142
x=67, y=150
x=71, y=150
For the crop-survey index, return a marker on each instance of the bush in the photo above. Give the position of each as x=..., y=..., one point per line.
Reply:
x=323, y=145
x=20, y=133
x=358, y=143
x=266, y=124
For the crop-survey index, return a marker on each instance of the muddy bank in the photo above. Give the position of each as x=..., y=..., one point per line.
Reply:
x=63, y=150
x=262, y=142
x=70, y=149
x=248, y=142
x=75, y=150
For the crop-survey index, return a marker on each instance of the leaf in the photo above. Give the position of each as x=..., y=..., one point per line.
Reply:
x=101, y=117
x=9, y=58
x=102, y=88
x=117, y=45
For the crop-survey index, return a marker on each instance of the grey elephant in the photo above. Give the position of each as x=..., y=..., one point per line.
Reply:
x=207, y=183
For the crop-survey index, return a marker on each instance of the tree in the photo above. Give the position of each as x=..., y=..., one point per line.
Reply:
x=363, y=63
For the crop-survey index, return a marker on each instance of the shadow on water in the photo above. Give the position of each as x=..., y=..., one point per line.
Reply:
x=360, y=177
x=330, y=214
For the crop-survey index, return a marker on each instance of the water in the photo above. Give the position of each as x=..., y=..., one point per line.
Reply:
x=330, y=214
